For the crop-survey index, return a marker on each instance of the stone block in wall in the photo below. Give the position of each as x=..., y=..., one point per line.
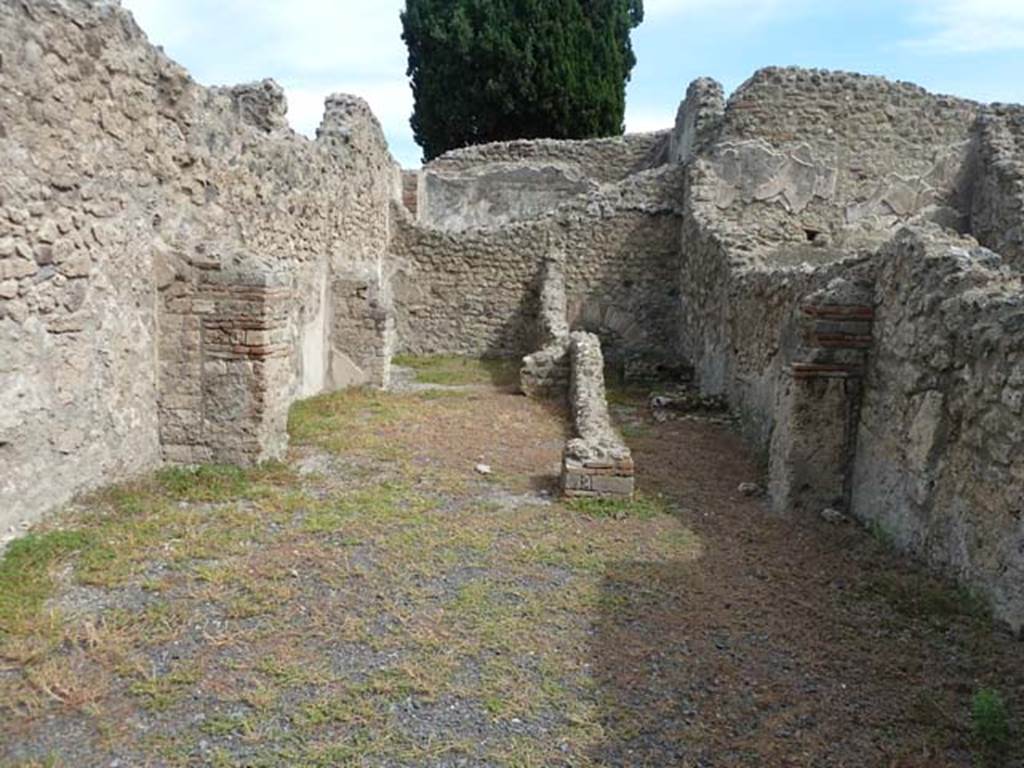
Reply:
x=581, y=481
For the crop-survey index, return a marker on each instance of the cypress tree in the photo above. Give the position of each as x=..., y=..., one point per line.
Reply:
x=496, y=70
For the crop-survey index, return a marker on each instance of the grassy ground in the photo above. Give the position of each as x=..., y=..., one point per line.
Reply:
x=373, y=601
x=448, y=370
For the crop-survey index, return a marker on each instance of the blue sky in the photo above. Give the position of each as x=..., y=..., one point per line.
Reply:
x=972, y=48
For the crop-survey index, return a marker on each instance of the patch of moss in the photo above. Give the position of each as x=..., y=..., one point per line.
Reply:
x=990, y=724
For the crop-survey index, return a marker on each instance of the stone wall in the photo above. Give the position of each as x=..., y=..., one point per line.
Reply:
x=603, y=160
x=940, y=452
x=887, y=407
x=597, y=462
x=497, y=194
x=494, y=184
x=698, y=120
x=545, y=373
x=807, y=153
x=167, y=253
x=476, y=292
x=810, y=171
x=997, y=206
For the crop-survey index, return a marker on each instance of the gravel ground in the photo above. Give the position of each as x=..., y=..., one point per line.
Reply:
x=378, y=602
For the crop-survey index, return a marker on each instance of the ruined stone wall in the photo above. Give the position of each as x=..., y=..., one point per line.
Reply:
x=476, y=291
x=496, y=194
x=165, y=254
x=78, y=316
x=997, y=205
x=901, y=407
x=737, y=315
x=494, y=184
x=603, y=160
x=810, y=169
x=940, y=452
x=545, y=372
x=698, y=119
x=811, y=151
x=596, y=462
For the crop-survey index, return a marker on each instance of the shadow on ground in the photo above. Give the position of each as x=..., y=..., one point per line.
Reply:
x=788, y=642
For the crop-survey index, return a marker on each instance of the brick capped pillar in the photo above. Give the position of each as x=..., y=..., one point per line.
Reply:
x=247, y=366
x=226, y=363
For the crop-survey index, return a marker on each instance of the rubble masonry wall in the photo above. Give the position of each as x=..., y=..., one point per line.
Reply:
x=168, y=256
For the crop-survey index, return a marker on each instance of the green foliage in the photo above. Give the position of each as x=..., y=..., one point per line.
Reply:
x=990, y=721
x=641, y=506
x=217, y=482
x=497, y=70
x=454, y=371
x=25, y=573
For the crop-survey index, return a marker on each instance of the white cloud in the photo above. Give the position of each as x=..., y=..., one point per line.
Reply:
x=391, y=103
x=308, y=36
x=647, y=120
x=324, y=36
x=970, y=26
x=757, y=8
x=312, y=47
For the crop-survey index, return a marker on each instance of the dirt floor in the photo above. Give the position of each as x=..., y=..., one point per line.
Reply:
x=377, y=601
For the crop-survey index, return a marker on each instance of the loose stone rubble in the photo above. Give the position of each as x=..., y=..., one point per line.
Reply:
x=837, y=256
